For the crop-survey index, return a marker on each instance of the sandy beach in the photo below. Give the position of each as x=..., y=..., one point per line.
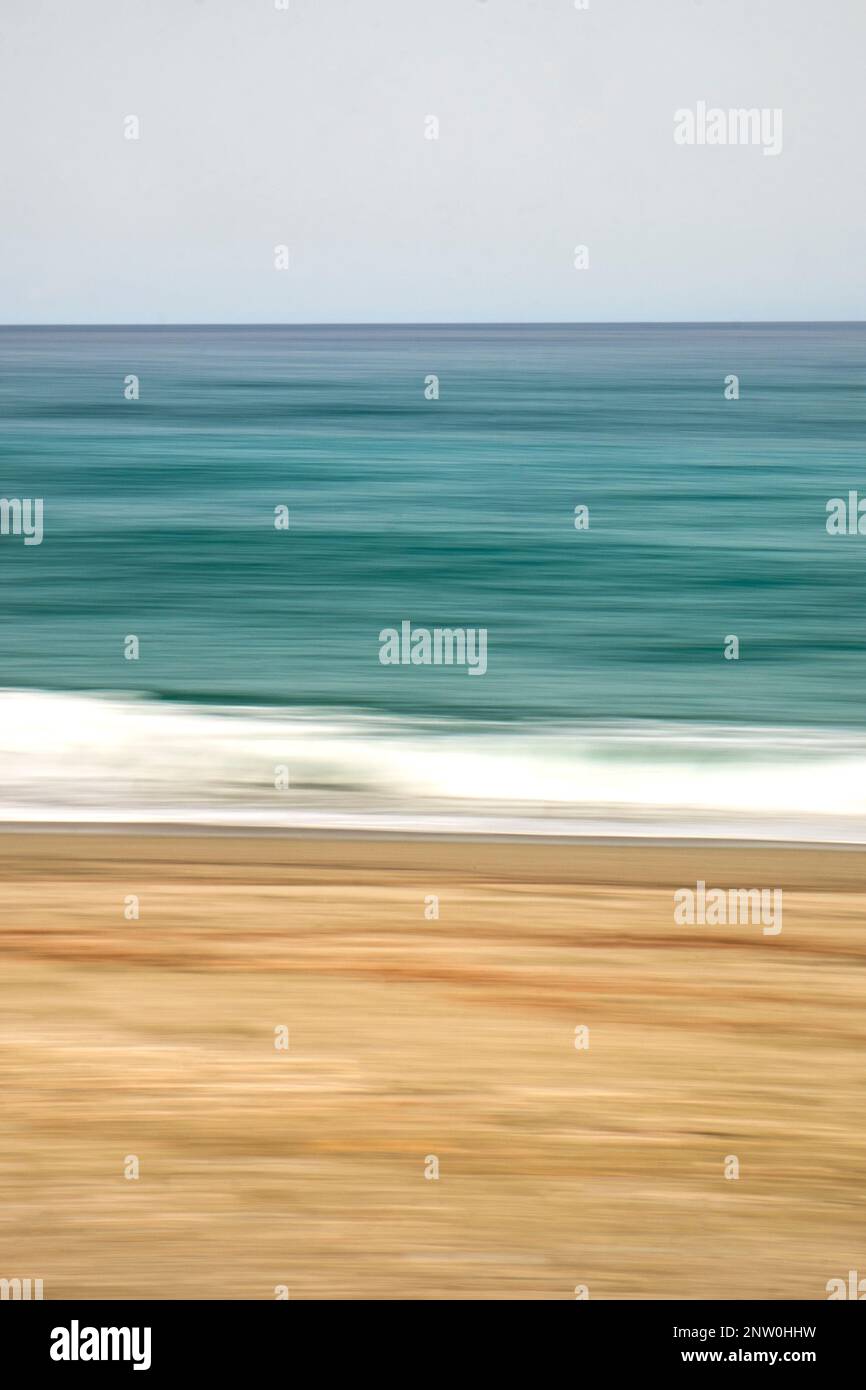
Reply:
x=412, y=1036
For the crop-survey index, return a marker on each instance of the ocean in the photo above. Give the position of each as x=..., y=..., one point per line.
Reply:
x=607, y=706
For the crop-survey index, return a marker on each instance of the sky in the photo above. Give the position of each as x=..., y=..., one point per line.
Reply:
x=305, y=127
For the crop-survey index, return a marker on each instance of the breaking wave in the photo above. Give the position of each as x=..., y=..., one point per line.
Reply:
x=88, y=758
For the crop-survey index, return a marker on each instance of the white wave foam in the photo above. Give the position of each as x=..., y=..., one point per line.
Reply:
x=104, y=758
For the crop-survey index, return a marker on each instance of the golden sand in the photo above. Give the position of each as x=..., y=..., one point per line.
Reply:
x=410, y=1038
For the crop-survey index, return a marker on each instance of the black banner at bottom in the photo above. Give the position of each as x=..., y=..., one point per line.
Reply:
x=218, y=1339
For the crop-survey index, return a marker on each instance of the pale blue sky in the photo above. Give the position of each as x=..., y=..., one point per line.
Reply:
x=306, y=127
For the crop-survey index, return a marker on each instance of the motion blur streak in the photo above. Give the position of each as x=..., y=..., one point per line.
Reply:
x=257, y=709
x=411, y=1038
x=606, y=705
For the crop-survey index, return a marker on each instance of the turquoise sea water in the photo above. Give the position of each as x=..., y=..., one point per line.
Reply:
x=606, y=698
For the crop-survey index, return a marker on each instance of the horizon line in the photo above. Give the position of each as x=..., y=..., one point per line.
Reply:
x=458, y=323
